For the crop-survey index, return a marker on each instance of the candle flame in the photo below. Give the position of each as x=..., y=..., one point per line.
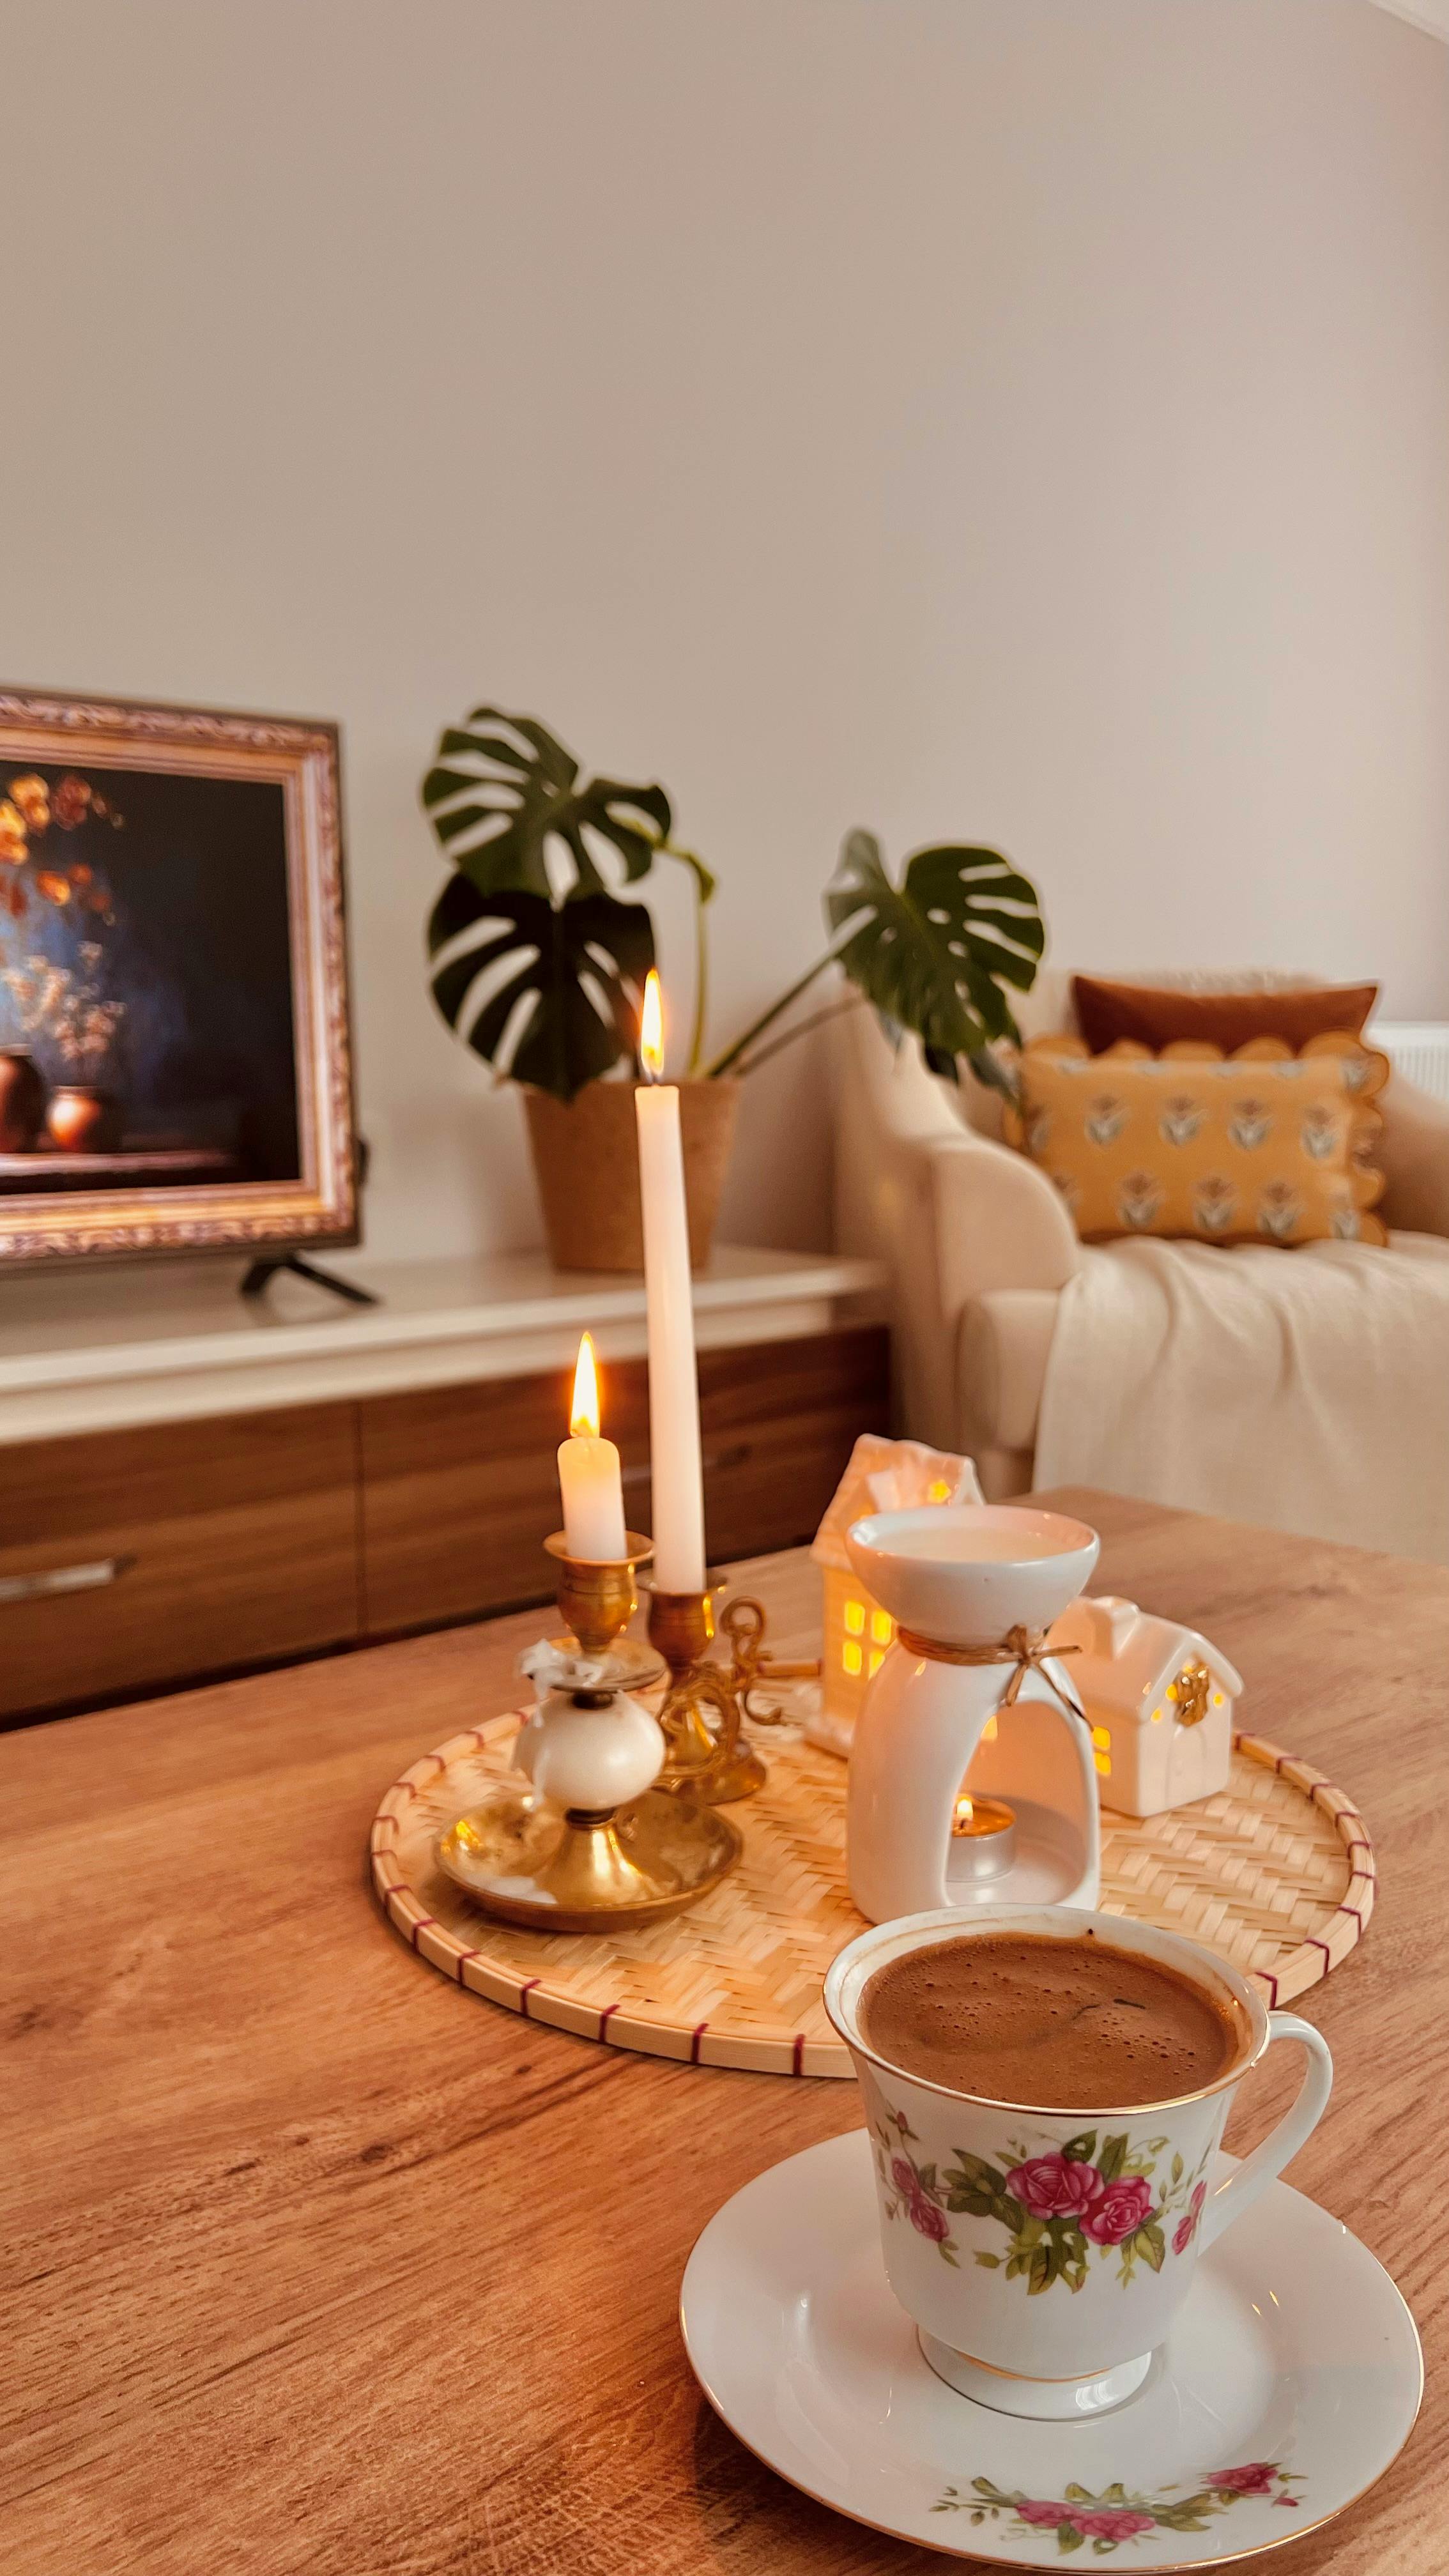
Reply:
x=981, y=1818
x=651, y=1028
x=584, y=1419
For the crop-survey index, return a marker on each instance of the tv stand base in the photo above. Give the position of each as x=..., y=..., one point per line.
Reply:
x=261, y=1274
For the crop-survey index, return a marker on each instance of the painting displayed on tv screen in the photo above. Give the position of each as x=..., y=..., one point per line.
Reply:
x=174, y=1057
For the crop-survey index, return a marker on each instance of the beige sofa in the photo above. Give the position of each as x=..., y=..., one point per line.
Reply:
x=979, y=1245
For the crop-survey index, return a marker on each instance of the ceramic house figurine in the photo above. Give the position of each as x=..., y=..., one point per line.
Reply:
x=1159, y=1701
x=883, y=1476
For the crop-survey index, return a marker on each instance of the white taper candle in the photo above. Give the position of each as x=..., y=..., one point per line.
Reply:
x=674, y=1447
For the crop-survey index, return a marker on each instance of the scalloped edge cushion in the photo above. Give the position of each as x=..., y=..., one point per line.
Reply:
x=1158, y=1015
x=1364, y=1072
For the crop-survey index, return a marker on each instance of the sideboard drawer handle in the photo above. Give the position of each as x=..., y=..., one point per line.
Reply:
x=64, y=1578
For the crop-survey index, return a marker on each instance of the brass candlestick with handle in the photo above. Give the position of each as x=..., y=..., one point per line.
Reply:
x=708, y=1756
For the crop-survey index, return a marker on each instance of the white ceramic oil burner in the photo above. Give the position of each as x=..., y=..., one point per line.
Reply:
x=971, y=1775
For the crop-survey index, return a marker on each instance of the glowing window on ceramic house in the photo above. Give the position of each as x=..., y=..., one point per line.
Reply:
x=855, y=1618
x=851, y=1656
x=882, y=1627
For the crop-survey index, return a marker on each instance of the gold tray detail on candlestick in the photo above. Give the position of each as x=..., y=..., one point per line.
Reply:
x=708, y=1756
x=527, y=1860
x=566, y=1870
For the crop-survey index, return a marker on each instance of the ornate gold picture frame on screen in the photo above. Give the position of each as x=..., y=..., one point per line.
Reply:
x=175, y=1065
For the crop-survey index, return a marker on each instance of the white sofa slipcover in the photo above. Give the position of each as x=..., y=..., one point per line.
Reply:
x=978, y=1247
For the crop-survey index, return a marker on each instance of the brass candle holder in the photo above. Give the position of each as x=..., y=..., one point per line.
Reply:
x=598, y=1596
x=704, y=1755
x=708, y=1755
x=605, y=1849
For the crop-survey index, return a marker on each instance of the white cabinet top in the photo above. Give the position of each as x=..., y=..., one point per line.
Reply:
x=99, y=1349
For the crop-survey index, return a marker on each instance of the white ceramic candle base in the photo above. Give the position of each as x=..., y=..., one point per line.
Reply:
x=591, y=1757
x=930, y=1727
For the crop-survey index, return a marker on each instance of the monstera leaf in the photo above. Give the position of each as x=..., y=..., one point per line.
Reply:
x=548, y=993
x=933, y=953
x=503, y=788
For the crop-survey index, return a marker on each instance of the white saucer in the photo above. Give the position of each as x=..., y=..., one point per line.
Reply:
x=1294, y=2363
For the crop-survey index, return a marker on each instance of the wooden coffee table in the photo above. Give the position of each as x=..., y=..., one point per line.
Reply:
x=317, y=2266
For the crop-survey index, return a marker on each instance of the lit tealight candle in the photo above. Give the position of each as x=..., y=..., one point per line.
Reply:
x=983, y=1836
x=674, y=1447
x=588, y=1475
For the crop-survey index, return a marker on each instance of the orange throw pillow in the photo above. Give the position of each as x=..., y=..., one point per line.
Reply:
x=1263, y=1146
x=1156, y=1016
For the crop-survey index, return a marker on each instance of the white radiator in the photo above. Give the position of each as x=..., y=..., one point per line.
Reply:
x=1418, y=1049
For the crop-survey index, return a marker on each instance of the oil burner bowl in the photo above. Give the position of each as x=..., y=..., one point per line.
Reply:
x=919, y=1565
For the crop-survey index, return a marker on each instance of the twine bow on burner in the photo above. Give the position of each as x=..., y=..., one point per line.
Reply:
x=1026, y=1648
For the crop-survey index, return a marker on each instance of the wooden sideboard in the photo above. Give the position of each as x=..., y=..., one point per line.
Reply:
x=175, y=1550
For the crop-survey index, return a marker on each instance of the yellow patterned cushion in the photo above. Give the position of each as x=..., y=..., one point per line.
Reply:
x=1261, y=1146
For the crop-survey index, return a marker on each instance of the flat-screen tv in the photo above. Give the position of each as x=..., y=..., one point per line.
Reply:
x=175, y=1060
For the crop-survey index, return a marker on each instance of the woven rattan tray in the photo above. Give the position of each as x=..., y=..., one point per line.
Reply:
x=1277, y=1873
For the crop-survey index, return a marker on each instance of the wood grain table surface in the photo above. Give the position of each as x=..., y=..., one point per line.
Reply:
x=314, y=2262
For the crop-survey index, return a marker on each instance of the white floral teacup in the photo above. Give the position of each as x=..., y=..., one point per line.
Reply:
x=1043, y=2254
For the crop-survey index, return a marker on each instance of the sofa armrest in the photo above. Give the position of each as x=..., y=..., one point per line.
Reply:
x=1414, y=1153
x=999, y=1223
x=1002, y=1347
x=948, y=1213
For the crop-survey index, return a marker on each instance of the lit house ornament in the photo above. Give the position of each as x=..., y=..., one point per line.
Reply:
x=1159, y=1701
x=883, y=1476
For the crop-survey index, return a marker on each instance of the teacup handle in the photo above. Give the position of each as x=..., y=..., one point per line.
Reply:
x=1266, y=2162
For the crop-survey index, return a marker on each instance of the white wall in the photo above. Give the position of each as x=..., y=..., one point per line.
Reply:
x=1017, y=419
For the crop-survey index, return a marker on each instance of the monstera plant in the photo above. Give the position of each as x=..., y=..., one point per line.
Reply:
x=932, y=953
x=542, y=965
x=538, y=961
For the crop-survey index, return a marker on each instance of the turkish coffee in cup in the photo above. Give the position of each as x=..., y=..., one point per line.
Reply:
x=1077, y=2025
x=1045, y=2091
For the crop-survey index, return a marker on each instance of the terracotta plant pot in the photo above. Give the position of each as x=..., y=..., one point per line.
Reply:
x=83, y=1120
x=22, y=1101
x=586, y=1156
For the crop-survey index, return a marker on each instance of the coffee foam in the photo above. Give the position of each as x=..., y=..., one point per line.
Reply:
x=1053, y=2025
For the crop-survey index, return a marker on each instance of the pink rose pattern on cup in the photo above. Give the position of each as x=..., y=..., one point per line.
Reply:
x=912, y=2190
x=1119, y=2514
x=1056, y=2207
x=1186, y=2228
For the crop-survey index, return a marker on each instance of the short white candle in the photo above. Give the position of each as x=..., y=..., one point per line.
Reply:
x=676, y=1465
x=588, y=1475
x=983, y=1838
